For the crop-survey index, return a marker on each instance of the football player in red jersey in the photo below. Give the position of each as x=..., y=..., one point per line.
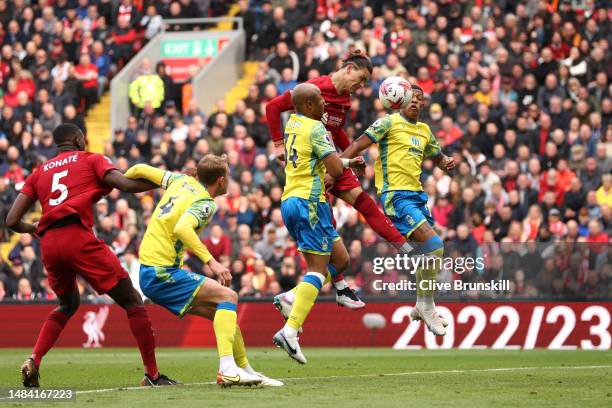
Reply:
x=67, y=186
x=336, y=90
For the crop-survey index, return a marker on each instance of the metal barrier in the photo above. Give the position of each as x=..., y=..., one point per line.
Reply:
x=210, y=84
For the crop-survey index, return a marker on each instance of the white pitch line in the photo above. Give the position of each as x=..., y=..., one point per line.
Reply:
x=482, y=370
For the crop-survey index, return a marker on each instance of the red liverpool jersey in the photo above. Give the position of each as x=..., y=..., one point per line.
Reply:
x=334, y=117
x=68, y=184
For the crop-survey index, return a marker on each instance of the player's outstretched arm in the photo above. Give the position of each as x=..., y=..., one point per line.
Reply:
x=335, y=165
x=185, y=230
x=355, y=148
x=14, y=218
x=146, y=172
x=114, y=178
x=274, y=108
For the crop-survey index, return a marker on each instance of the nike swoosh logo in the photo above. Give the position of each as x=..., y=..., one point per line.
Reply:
x=292, y=350
x=234, y=379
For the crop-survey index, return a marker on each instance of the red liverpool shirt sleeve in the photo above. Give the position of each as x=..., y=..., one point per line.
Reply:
x=29, y=187
x=101, y=164
x=274, y=108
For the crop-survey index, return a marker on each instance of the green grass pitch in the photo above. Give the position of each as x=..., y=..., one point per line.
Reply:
x=332, y=378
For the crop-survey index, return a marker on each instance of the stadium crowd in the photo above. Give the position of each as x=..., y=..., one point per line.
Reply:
x=518, y=92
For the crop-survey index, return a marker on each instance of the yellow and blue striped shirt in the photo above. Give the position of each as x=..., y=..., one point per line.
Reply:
x=402, y=146
x=184, y=194
x=306, y=144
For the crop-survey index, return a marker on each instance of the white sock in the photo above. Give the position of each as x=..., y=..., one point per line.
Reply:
x=289, y=331
x=406, y=248
x=249, y=369
x=290, y=296
x=227, y=365
x=340, y=284
x=425, y=302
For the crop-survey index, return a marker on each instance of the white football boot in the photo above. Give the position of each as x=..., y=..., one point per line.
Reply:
x=290, y=344
x=415, y=315
x=284, y=303
x=265, y=381
x=239, y=377
x=432, y=320
x=348, y=298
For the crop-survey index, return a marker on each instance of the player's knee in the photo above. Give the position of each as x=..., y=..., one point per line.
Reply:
x=229, y=295
x=433, y=246
x=69, y=308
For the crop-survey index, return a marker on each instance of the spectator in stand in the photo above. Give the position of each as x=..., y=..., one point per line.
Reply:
x=101, y=60
x=147, y=87
x=87, y=75
x=122, y=40
x=218, y=243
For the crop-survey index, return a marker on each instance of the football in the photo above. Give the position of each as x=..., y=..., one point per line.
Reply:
x=395, y=93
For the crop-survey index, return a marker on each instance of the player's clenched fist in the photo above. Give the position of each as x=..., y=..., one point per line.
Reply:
x=221, y=272
x=358, y=164
x=279, y=152
x=447, y=163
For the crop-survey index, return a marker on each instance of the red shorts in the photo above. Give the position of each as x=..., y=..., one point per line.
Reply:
x=347, y=181
x=74, y=250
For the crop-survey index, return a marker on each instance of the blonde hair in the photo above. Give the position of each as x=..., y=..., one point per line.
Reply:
x=211, y=167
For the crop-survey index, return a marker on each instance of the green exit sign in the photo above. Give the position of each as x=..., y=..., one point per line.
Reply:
x=189, y=48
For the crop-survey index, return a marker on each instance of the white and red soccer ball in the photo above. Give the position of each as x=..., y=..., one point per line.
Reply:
x=395, y=93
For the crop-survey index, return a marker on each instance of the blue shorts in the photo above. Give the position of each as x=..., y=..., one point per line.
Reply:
x=170, y=287
x=407, y=210
x=310, y=224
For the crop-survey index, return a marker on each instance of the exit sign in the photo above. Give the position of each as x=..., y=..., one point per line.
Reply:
x=189, y=48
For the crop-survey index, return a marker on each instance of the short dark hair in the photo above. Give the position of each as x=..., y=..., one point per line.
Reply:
x=415, y=87
x=211, y=167
x=359, y=60
x=66, y=132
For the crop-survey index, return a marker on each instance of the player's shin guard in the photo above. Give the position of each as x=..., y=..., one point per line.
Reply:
x=378, y=220
x=307, y=292
x=142, y=330
x=433, y=250
x=239, y=350
x=50, y=331
x=224, y=324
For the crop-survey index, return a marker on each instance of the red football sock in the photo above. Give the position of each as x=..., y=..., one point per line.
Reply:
x=377, y=219
x=141, y=327
x=50, y=331
x=338, y=278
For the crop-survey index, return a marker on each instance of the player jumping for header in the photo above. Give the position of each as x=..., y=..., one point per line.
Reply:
x=336, y=90
x=305, y=210
x=67, y=186
x=403, y=143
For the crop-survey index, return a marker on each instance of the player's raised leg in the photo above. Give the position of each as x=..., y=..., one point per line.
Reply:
x=224, y=323
x=374, y=216
x=429, y=244
x=305, y=297
x=345, y=296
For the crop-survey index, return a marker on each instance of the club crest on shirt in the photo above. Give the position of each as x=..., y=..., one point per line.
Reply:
x=324, y=244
